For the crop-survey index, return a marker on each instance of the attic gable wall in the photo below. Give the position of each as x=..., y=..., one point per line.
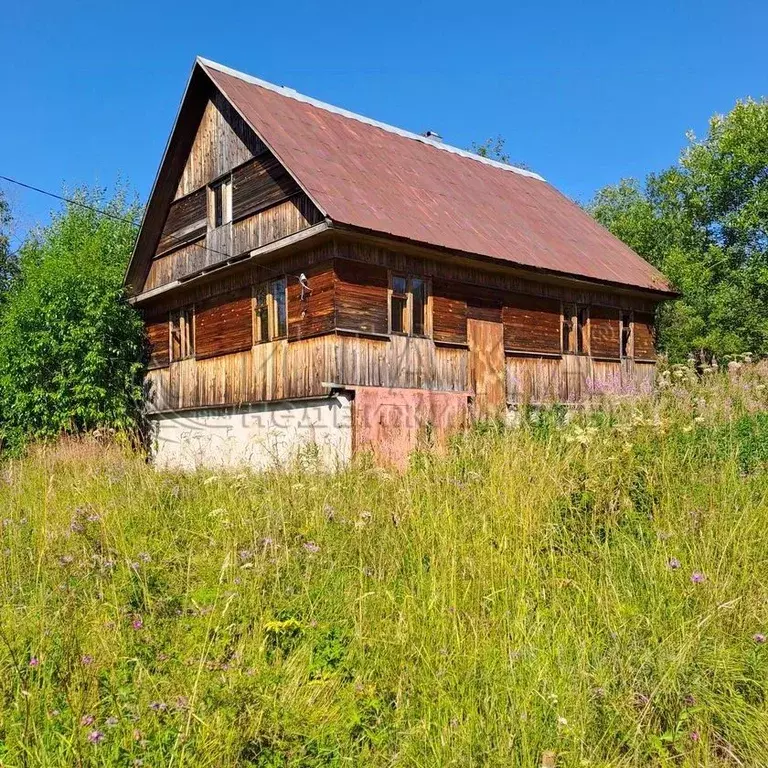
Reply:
x=223, y=141
x=211, y=142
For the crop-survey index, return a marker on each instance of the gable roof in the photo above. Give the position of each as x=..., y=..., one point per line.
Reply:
x=376, y=177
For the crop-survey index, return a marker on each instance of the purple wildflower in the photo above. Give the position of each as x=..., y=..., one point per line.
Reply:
x=759, y=638
x=34, y=662
x=87, y=720
x=86, y=660
x=311, y=547
x=245, y=554
x=695, y=736
x=697, y=577
x=267, y=541
x=145, y=557
x=690, y=700
x=182, y=702
x=111, y=721
x=93, y=518
x=158, y=706
x=95, y=737
x=137, y=623
x=673, y=563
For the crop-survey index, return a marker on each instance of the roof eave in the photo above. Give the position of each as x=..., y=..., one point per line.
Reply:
x=662, y=293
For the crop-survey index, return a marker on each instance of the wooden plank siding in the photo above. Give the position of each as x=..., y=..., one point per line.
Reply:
x=223, y=141
x=258, y=184
x=362, y=297
x=312, y=311
x=346, y=296
x=187, y=221
x=604, y=332
x=449, y=313
x=159, y=341
x=267, y=226
x=532, y=324
x=644, y=341
x=224, y=324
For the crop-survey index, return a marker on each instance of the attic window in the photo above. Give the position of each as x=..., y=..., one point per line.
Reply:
x=220, y=203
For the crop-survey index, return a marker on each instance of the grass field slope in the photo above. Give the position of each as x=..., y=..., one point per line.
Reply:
x=586, y=589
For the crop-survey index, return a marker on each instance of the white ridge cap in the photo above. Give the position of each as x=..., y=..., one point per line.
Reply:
x=293, y=94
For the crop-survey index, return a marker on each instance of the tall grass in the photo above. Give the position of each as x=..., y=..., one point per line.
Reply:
x=593, y=586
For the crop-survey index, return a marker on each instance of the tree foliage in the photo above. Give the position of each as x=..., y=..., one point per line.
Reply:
x=704, y=223
x=70, y=347
x=8, y=266
x=494, y=148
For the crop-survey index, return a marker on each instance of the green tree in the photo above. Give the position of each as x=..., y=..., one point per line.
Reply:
x=71, y=349
x=8, y=262
x=704, y=223
x=494, y=148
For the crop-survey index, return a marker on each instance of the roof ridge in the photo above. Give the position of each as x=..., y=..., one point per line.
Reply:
x=293, y=94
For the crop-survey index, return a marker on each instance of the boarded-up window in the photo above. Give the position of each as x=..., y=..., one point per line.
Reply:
x=186, y=221
x=361, y=297
x=645, y=348
x=159, y=342
x=605, y=332
x=531, y=324
x=449, y=313
x=258, y=184
x=223, y=325
x=311, y=308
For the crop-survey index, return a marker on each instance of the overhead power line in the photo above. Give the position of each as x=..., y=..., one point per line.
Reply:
x=125, y=220
x=71, y=201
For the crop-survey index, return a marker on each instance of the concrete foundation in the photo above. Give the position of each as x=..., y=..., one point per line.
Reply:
x=257, y=436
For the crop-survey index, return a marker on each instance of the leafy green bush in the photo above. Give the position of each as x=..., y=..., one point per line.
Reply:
x=70, y=347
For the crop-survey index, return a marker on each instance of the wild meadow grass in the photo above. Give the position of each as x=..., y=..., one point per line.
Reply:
x=591, y=586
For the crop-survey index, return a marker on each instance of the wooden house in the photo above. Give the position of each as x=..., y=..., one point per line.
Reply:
x=313, y=279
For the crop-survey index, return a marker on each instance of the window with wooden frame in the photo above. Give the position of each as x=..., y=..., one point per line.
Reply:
x=220, y=202
x=409, y=305
x=182, y=333
x=576, y=329
x=626, y=334
x=270, y=316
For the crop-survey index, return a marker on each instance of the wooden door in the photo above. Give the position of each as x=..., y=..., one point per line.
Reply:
x=487, y=368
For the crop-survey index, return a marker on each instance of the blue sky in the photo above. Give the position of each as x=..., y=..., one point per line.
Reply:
x=585, y=93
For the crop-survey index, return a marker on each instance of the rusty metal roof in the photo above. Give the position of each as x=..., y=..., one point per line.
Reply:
x=376, y=177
